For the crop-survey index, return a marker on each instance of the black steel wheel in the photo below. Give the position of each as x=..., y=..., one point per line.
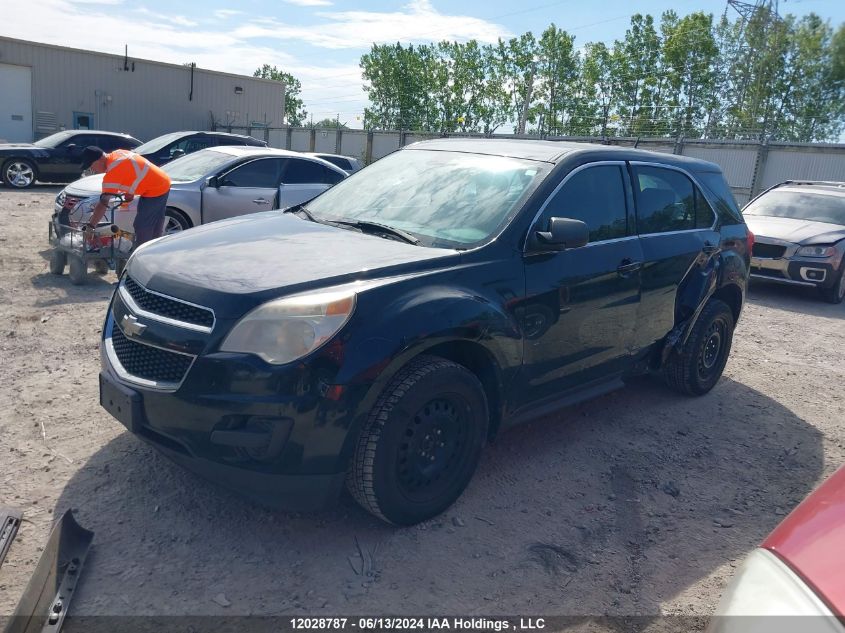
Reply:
x=697, y=367
x=421, y=443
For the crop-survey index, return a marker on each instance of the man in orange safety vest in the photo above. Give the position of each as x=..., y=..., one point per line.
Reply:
x=132, y=175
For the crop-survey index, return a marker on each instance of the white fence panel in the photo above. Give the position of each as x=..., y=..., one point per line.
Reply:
x=354, y=143
x=384, y=143
x=300, y=140
x=325, y=141
x=806, y=164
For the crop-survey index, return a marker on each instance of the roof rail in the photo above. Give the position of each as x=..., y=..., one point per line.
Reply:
x=829, y=183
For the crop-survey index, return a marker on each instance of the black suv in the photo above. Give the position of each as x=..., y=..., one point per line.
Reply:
x=379, y=335
x=166, y=147
x=55, y=158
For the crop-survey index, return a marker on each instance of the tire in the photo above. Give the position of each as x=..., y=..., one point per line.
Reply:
x=19, y=173
x=175, y=221
x=430, y=399
x=77, y=270
x=836, y=293
x=58, y=261
x=119, y=265
x=696, y=368
x=101, y=266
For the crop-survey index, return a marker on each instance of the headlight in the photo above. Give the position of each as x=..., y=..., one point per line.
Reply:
x=816, y=251
x=286, y=329
x=764, y=587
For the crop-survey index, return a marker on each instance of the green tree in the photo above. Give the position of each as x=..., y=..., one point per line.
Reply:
x=558, y=71
x=294, y=108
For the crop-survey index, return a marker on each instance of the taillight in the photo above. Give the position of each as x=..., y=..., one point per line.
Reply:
x=750, y=239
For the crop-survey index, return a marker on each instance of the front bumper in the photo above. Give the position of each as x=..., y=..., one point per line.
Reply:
x=789, y=268
x=278, y=435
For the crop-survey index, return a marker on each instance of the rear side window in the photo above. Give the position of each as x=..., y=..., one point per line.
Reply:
x=331, y=177
x=338, y=161
x=596, y=196
x=667, y=200
x=715, y=184
x=303, y=172
x=193, y=144
x=262, y=173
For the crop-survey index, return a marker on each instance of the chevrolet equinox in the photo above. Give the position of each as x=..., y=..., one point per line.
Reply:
x=379, y=335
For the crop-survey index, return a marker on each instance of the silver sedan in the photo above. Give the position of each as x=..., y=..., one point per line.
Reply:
x=223, y=182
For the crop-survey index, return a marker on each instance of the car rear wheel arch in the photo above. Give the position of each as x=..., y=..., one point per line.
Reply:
x=732, y=296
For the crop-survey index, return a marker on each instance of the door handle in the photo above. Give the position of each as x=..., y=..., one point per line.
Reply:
x=627, y=267
x=710, y=248
x=260, y=201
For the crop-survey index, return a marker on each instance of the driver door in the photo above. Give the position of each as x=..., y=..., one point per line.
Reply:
x=248, y=188
x=580, y=310
x=63, y=163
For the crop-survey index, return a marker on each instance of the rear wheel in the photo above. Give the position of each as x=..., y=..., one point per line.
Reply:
x=695, y=369
x=19, y=173
x=421, y=443
x=58, y=261
x=77, y=270
x=836, y=293
x=101, y=266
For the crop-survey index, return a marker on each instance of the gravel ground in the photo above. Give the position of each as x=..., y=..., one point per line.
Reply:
x=640, y=502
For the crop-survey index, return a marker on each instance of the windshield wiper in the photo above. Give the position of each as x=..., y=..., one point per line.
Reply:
x=297, y=208
x=376, y=227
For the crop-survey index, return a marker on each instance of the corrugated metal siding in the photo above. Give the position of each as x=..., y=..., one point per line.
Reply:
x=737, y=164
x=811, y=165
x=325, y=141
x=146, y=102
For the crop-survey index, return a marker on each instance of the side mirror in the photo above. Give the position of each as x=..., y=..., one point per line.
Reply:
x=176, y=153
x=562, y=234
x=70, y=147
x=213, y=182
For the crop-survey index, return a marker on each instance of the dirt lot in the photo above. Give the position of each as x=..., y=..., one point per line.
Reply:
x=641, y=502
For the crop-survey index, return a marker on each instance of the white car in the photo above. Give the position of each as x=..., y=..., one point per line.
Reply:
x=223, y=182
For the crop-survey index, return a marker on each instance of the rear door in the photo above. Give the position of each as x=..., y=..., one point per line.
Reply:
x=580, y=309
x=303, y=180
x=248, y=188
x=680, y=244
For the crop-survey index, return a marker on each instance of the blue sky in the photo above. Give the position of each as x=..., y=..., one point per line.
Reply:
x=321, y=41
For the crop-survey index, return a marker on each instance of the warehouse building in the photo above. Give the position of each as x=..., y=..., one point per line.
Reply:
x=46, y=89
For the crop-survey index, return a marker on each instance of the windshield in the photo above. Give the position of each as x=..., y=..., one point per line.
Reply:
x=154, y=145
x=53, y=140
x=445, y=199
x=197, y=165
x=800, y=205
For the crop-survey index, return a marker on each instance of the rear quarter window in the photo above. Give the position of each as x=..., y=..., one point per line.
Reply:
x=721, y=195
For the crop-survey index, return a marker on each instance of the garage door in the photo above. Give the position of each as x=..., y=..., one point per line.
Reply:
x=15, y=103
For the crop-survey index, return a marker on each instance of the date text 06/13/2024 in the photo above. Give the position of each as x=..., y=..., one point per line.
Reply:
x=418, y=623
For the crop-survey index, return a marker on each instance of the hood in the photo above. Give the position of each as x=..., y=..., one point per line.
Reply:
x=234, y=264
x=812, y=540
x=15, y=148
x=84, y=187
x=804, y=232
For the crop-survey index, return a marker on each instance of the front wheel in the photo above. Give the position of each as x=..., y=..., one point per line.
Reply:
x=421, y=443
x=175, y=222
x=836, y=293
x=697, y=367
x=58, y=261
x=77, y=270
x=19, y=173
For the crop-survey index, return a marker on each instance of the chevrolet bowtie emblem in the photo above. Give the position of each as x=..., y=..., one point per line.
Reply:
x=132, y=326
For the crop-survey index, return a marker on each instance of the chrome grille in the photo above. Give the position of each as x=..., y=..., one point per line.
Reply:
x=170, y=308
x=147, y=362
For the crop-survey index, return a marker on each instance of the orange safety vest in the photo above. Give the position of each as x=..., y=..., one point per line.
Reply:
x=128, y=172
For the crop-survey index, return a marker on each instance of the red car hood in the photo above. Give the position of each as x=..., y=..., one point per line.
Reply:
x=812, y=541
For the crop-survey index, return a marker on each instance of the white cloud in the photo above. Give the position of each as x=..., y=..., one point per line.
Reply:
x=222, y=14
x=419, y=21
x=309, y=3
x=98, y=2
x=181, y=20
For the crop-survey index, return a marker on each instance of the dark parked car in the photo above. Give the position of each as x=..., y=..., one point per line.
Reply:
x=799, y=229
x=55, y=158
x=165, y=148
x=382, y=333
